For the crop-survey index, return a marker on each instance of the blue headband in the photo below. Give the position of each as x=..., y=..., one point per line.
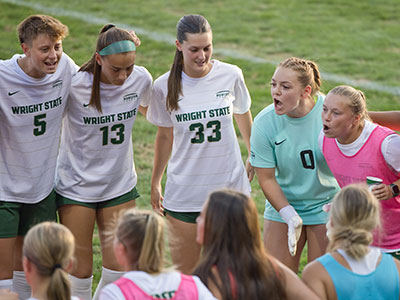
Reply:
x=118, y=47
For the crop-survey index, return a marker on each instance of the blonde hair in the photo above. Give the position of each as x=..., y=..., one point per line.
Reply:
x=50, y=247
x=307, y=70
x=142, y=234
x=355, y=213
x=357, y=100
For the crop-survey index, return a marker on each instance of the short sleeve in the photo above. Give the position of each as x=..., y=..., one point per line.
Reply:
x=242, y=101
x=262, y=151
x=157, y=112
x=147, y=90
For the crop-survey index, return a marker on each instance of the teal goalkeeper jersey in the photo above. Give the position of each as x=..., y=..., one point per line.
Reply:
x=290, y=145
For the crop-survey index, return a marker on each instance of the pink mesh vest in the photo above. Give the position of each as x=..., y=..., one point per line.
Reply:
x=369, y=161
x=187, y=290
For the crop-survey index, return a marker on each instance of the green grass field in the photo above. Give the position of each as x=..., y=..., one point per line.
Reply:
x=352, y=41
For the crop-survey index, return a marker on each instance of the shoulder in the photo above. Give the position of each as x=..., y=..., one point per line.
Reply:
x=82, y=79
x=227, y=68
x=162, y=80
x=267, y=115
x=142, y=72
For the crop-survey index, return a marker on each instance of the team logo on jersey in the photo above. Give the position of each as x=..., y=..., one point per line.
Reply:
x=180, y=99
x=57, y=83
x=85, y=104
x=222, y=94
x=12, y=93
x=131, y=97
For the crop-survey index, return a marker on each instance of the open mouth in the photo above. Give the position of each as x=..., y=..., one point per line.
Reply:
x=50, y=64
x=278, y=104
x=325, y=128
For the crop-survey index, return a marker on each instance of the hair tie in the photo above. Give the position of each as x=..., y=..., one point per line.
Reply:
x=56, y=266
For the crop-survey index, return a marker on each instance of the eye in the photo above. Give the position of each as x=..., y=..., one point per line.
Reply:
x=286, y=87
x=272, y=84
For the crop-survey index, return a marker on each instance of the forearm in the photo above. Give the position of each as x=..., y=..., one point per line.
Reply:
x=271, y=188
x=244, y=122
x=389, y=119
x=162, y=152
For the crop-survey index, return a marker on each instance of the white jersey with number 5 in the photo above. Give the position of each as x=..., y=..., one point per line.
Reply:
x=31, y=111
x=96, y=155
x=205, y=153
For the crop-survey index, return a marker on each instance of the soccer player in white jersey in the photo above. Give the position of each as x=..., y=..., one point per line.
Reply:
x=33, y=94
x=193, y=106
x=96, y=176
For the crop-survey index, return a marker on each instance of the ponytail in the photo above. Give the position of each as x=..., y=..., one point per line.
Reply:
x=142, y=234
x=175, y=81
x=355, y=213
x=50, y=247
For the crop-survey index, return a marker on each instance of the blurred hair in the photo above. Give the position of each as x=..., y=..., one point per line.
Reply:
x=356, y=100
x=232, y=246
x=187, y=24
x=50, y=247
x=142, y=234
x=109, y=34
x=354, y=214
x=307, y=70
x=34, y=25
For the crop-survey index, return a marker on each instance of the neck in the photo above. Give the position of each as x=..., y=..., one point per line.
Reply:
x=304, y=107
x=39, y=287
x=354, y=134
x=27, y=67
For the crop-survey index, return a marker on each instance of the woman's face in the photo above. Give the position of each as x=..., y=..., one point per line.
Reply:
x=116, y=68
x=338, y=119
x=196, y=51
x=287, y=92
x=201, y=219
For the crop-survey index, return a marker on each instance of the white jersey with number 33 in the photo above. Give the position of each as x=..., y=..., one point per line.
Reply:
x=205, y=154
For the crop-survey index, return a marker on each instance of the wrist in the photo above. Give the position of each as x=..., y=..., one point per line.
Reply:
x=287, y=213
x=394, y=188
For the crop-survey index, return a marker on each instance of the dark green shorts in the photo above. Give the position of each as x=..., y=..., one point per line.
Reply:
x=188, y=217
x=395, y=254
x=17, y=218
x=133, y=194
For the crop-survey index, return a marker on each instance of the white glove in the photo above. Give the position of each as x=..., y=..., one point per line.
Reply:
x=294, y=222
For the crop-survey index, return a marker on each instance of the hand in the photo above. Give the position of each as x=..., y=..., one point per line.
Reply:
x=156, y=199
x=136, y=39
x=294, y=231
x=295, y=223
x=381, y=191
x=249, y=170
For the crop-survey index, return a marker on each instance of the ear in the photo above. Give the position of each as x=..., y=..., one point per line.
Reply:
x=27, y=265
x=121, y=255
x=356, y=119
x=307, y=92
x=178, y=45
x=98, y=58
x=25, y=47
x=70, y=265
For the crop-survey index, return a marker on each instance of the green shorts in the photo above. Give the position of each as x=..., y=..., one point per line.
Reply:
x=395, y=254
x=188, y=217
x=17, y=218
x=133, y=194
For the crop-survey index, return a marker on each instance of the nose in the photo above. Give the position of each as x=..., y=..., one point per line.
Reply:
x=276, y=90
x=202, y=54
x=123, y=75
x=52, y=53
x=326, y=116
